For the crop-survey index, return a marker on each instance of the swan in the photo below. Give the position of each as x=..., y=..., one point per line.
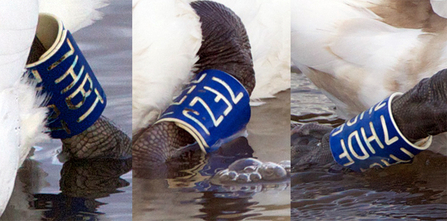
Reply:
x=167, y=37
x=20, y=111
x=359, y=52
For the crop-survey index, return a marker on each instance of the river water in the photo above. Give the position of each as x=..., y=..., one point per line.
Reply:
x=188, y=194
x=416, y=191
x=107, y=47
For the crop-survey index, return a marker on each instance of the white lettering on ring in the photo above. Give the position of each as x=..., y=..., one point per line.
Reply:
x=217, y=120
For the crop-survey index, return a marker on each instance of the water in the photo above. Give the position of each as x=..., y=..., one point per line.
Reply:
x=107, y=47
x=188, y=194
x=416, y=191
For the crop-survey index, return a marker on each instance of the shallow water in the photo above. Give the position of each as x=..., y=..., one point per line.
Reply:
x=107, y=195
x=416, y=191
x=189, y=192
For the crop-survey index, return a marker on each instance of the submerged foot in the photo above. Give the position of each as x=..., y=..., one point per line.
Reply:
x=310, y=148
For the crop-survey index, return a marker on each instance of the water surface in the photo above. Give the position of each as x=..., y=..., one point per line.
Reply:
x=188, y=194
x=416, y=191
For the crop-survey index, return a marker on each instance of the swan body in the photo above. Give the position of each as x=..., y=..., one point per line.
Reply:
x=21, y=115
x=358, y=52
x=346, y=43
x=167, y=36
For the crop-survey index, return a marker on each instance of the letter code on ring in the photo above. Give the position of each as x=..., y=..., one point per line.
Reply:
x=214, y=106
x=76, y=97
x=371, y=139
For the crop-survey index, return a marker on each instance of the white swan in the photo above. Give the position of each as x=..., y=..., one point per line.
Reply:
x=361, y=51
x=21, y=117
x=167, y=36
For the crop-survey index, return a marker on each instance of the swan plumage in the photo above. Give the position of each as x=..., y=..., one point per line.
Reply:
x=360, y=51
x=167, y=36
x=344, y=42
x=74, y=15
x=21, y=115
x=439, y=7
x=268, y=28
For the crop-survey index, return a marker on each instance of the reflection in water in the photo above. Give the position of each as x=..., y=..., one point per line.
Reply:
x=94, y=178
x=215, y=206
x=82, y=183
x=193, y=162
x=62, y=207
x=190, y=175
x=411, y=191
x=416, y=191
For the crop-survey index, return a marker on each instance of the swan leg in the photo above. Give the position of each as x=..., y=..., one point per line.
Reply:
x=422, y=111
x=419, y=114
x=91, y=135
x=158, y=143
x=225, y=47
x=101, y=140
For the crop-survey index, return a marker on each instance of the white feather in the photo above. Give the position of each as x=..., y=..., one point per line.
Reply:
x=9, y=152
x=166, y=38
x=347, y=41
x=268, y=28
x=19, y=19
x=439, y=7
x=74, y=14
x=32, y=117
x=378, y=49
